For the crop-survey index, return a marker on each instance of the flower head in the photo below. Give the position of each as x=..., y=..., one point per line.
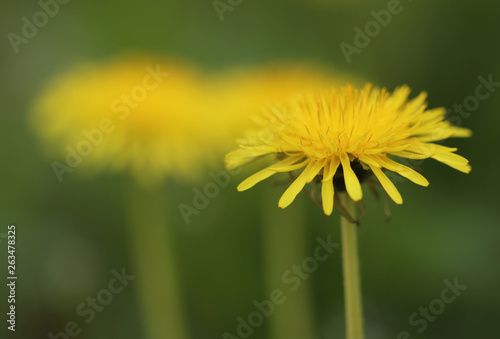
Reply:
x=340, y=137
x=236, y=96
x=151, y=109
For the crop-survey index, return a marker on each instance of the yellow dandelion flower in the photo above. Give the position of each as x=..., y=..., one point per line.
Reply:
x=340, y=137
x=136, y=114
x=246, y=90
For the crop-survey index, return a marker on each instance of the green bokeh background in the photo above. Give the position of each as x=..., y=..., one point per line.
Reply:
x=72, y=234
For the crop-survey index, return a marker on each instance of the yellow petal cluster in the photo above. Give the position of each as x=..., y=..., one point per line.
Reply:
x=142, y=115
x=238, y=96
x=338, y=136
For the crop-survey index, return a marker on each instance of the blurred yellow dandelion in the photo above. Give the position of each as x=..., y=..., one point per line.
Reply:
x=136, y=114
x=339, y=137
x=238, y=95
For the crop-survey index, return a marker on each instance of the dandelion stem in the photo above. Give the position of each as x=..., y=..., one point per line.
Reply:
x=285, y=243
x=155, y=265
x=352, y=285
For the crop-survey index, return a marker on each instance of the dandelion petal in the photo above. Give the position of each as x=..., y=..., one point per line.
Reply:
x=404, y=171
x=330, y=169
x=387, y=185
x=352, y=184
x=327, y=195
x=294, y=189
x=265, y=173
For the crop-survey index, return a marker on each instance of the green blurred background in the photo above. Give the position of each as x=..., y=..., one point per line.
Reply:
x=71, y=235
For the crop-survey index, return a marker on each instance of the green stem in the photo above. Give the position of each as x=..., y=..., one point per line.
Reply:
x=285, y=244
x=155, y=265
x=352, y=285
